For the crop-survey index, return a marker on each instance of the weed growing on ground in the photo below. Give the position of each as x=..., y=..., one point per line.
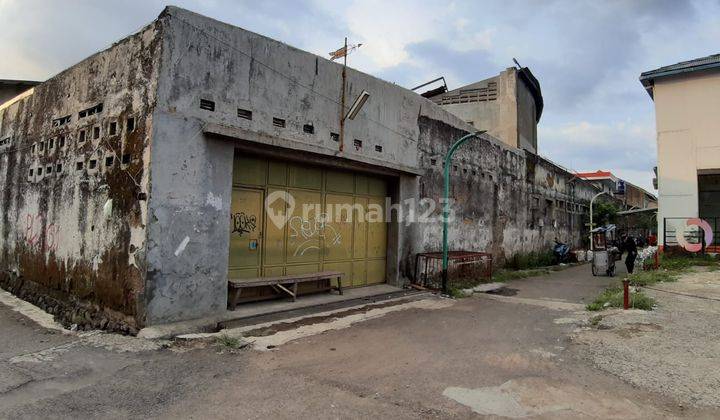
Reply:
x=226, y=341
x=684, y=262
x=456, y=293
x=524, y=261
x=595, y=321
x=612, y=297
x=644, y=278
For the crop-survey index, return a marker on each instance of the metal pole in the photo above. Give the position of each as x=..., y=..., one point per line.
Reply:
x=626, y=294
x=592, y=200
x=341, y=136
x=446, y=205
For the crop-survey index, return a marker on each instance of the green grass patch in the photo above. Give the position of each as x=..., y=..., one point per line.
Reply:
x=457, y=293
x=226, y=341
x=684, y=262
x=644, y=278
x=524, y=261
x=612, y=297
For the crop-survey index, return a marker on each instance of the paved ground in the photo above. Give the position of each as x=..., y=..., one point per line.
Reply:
x=499, y=356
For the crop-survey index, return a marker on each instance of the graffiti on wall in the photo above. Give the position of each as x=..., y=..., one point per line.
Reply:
x=242, y=223
x=37, y=234
x=309, y=230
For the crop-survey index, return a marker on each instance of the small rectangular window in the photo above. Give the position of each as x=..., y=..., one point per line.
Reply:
x=130, y=125
x=113, y=128
x=207, y=104
x=79, y=166
x=378, y=148
x=42, y=146
x=92, y=164
x=96, y=133
x=48, y=169
x=31, y=172
x=109, y=161
x=357, y=143
x=39, y=172
x=334, y=136
x=32, y=149
x=81, y=138
x=125, y=159
x=308, y=129
x=61, y=141
x=278, y=122
x=244, y=113
x=58, y=168
x=51, y=143
x=433, y=162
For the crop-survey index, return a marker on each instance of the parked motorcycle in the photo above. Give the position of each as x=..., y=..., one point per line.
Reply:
x=561, y=251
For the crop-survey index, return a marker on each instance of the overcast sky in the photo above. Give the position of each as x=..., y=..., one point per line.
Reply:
x=587, y=55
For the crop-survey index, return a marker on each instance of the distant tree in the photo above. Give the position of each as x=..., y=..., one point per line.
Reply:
x=604, y=213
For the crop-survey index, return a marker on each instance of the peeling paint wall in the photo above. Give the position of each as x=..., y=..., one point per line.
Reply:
x=73, y=174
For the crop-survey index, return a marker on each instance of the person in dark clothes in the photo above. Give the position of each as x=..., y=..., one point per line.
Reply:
x=631, y=248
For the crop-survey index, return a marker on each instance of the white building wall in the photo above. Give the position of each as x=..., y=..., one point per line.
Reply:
x=687, y=110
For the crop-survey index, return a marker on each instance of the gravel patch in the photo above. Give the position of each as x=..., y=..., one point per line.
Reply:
x=673, y=350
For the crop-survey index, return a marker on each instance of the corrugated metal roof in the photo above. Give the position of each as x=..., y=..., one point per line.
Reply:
x=647, y=78
x=690, y=64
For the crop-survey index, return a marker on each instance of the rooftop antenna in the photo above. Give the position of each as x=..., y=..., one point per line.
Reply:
x=517, y=64
x=343, y=52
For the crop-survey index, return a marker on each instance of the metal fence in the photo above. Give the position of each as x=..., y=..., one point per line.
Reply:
x=465, y=268
x=673, y=226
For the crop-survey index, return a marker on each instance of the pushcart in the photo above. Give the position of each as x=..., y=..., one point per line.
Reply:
x=604, y=253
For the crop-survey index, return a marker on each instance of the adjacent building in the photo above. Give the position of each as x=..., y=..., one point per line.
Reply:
x=629, y=195
x=687, y=104
x=508, y=106
x=136, y=182
x=12, y=88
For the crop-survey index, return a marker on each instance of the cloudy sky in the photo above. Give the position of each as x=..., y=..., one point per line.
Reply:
x=586, y=54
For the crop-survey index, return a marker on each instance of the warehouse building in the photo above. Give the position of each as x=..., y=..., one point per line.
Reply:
x=136, y=182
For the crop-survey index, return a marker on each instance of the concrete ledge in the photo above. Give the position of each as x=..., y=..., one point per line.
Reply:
x=267, y=308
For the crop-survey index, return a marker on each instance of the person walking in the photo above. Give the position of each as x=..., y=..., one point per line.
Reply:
x=631, y=248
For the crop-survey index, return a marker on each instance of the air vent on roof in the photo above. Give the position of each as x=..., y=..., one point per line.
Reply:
x=278, y=122
x=207, y=104
x=308, y=129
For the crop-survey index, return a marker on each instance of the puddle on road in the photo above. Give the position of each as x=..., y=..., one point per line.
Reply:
x=504, y=291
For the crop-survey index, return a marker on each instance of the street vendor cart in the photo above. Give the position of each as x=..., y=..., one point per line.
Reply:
x=604, y=252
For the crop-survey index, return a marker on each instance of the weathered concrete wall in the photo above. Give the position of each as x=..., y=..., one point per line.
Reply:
x=506, y=201
x=204, y=59
x=72, y=236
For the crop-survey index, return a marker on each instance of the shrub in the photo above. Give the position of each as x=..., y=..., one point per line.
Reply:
x=524, y=261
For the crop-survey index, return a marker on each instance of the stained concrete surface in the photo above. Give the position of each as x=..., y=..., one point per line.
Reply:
x=475, y=357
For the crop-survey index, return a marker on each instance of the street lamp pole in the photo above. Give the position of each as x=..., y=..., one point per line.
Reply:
x=592, y=248
x=446, y=205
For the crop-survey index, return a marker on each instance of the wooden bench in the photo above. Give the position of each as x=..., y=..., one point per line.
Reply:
x=286, y=284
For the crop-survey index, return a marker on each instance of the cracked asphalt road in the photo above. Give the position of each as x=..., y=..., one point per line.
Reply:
x=476, y=357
